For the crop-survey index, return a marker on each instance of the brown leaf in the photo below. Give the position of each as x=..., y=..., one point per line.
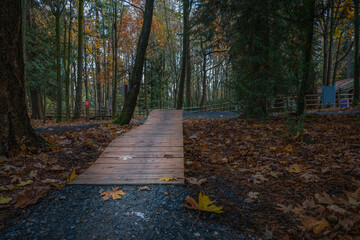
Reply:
x=195, y=181
x=324, y=198
x=30, y=196
x=318, y=226
x=115, y=194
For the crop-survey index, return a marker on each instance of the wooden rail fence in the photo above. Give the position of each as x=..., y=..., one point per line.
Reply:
x=312, y=101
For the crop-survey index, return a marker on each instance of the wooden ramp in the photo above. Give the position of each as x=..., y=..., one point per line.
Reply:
x=143, y=155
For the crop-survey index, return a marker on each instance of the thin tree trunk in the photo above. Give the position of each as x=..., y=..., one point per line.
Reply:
x=180, y=99
x=325, y=47
x=58, y=65
x=356, y=56
x=331, y=41
x=78, y=101
x=306, y=81
x=146, y=89
x=114, y=83
x=67, y=72
x=136, y=76
x=97, y=66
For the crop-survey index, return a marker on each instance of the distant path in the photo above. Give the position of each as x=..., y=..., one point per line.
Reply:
x=143, y=155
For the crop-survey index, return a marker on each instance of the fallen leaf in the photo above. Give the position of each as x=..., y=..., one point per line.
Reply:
x=15, y=178
x=353, y=201
x=258, y=178
x=205, y=204
x=24, y=183
x=318, y=226
x=192, y=202
x=124, y=158
x=30, y=196
x=295, y=168
x=72, y=177
x=308, y=177
x=324, y=198
x=115, y=194
x=253, y=195
x=5, y=200
x=195, y=181
x=288, y=148
x=285, y=209
x=144, y=188
x=336, y=209
x=50, y=181
x=167, y=179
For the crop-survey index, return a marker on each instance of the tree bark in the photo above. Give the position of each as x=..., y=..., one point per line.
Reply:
x=136, y=76
x=67, y=71
x=180, y=99
x=97, y=66
x=114, y=83
x=306, y=81
x=78, y=101
x=58, y=64
x=15, y=123
x=36, y=103
x=356, y=56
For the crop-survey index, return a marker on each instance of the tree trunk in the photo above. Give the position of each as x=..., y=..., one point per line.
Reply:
x=146, y=90
x=180, y=99
x=36, y=103
x=67, y=72
x=114, y=83
x=136, y=76
x=97, y=66
x=325, y=47
x=15, y=123
x=188, y=75
x=331, y=41
x=58, y=65
x=356, y=56
x=78, y=101
x=306, y=81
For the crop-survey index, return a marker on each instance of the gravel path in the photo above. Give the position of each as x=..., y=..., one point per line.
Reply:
x=78, y=212
x=55, y=129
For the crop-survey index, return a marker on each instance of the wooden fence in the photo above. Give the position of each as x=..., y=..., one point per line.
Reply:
x=312, y=101
x=278, y=105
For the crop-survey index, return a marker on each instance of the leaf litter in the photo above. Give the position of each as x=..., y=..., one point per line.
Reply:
x=306, y=187
x=28, y=175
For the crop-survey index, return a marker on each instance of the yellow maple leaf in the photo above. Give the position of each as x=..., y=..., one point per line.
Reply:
x=5, y=200
x=72, y=176
x=24, y=183
x=295, y=168
x=318, y=226
x=205, y=204
x=288, y=148
x=168, y=179
x=115, y=194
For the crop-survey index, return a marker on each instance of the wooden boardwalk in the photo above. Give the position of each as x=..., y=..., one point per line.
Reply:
x=143, y=155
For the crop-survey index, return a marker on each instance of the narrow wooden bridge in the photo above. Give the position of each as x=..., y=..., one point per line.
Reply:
x=143, y=155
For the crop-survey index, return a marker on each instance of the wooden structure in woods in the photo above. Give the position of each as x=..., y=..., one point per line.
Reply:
x=143, y=155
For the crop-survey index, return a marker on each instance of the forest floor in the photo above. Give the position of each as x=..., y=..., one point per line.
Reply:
x=270, y=184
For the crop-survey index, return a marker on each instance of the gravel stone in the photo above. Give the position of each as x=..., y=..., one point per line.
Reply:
x=83, y=215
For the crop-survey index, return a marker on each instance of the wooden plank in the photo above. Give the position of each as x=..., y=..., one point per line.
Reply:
x=143, y=155
x=142, y=161
x=164, y=155
x=118, y=171
x=124, y=181
x=161, y=165
x=112, y=148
